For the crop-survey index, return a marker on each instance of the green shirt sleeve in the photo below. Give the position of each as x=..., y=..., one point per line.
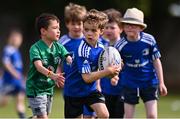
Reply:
x=63, y=51
x=34, y=54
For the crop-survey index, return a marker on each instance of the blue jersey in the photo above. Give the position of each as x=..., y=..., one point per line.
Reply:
x=106, y=86
x=85, y=61
x=138, y=56
x=13, y=56
x=104, y=41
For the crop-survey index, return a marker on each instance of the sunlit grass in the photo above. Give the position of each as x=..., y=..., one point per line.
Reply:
x=168, y=107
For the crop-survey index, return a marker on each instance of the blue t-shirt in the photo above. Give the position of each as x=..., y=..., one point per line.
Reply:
x=13, y=56
x=106, y=86
x=138, y=56
x=85, y=60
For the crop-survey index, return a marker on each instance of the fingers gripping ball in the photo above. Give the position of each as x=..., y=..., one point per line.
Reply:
x=109, y=56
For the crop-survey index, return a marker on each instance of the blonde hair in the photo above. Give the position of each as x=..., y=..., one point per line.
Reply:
x=74, y=12
x=96, y=17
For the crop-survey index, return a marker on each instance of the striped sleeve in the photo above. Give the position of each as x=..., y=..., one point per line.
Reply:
x=120, y=44
x=82, y=59
x=149, y=39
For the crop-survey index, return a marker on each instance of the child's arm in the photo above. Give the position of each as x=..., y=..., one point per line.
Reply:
x=159, y=71
x=93, y=76
x=10, y=68
x=57, y=77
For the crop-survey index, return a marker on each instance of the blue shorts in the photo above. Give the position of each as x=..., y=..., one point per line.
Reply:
x=11, y=89
x=132, y=95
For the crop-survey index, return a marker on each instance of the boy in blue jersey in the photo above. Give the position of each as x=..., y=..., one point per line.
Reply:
x=74, y=15
x=142, y=73
x=112, y=93
x=12, y=78
x=81, y=90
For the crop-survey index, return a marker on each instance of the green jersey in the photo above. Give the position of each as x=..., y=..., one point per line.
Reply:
x=37, y=83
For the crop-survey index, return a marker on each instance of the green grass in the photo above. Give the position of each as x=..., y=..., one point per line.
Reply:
x=168, y=107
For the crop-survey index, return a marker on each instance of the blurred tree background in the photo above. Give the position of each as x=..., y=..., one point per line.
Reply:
x=161, y=16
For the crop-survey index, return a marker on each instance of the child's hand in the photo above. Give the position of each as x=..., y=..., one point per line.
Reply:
x=114, y=80
x=58, y=78
x=69, y=60
x=163, y=89
x=114, y=70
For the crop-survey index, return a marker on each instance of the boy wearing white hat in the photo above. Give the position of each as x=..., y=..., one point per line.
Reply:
x=142, y=73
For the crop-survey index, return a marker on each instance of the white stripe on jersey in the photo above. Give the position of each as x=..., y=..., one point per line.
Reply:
x=147, y=38
x=64, y=39
x=83, y=50
x=101, y=45
x=120, y=44
x=85, y=70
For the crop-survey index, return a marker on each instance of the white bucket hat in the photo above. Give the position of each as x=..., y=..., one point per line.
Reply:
x=134, y=16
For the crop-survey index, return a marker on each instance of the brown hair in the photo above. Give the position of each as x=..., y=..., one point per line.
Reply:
x=43, y=21
x=114, y=16
x=74, y=12
x=96, y=17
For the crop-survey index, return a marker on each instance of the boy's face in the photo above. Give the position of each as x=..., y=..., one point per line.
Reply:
x=91, y=33
x=75, y=28
x=132, y=30
x=112, y=31
x=16, y=39
x=53, y=30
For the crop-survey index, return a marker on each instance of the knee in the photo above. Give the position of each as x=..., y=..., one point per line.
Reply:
x=151, y=116
x=103, y=114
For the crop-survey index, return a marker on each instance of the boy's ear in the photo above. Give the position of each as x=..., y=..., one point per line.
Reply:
x=42, y=30
x=102, y=30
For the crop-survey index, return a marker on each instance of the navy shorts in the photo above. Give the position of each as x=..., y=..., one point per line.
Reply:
x=11, y=89
x=132, y=95
x=74, y=105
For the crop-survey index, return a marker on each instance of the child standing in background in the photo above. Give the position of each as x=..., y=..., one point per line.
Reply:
x=112, y=93
x=12, y=79
x=142, y=73
x=74, y=16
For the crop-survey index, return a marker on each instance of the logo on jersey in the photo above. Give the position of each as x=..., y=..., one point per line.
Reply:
x=85, y=62
x=57, y=60
x=137, y=61
x=145, y=51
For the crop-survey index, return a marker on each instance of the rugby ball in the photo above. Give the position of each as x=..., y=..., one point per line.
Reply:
x=109, y=56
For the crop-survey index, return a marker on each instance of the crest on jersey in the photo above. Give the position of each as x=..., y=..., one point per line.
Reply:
x=145, y=51
x=85, y=62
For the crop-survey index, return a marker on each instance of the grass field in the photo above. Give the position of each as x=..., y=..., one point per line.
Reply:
x=168, y=107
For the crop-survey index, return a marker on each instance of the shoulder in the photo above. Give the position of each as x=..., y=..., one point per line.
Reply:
x=9, y=50
x=100, y=44
x=148, y=38
x=83, y=49
x=121, y=43
x=35, y=46
x=64, y=39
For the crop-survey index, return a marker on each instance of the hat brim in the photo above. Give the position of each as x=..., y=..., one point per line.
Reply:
x=134, y=22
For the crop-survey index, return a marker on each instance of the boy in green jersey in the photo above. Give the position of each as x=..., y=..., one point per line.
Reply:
x=45, y=56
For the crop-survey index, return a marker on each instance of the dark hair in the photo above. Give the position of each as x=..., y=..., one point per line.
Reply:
x=96, y=17
x=42, y=21
x=74, y=12
x=114, y=16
